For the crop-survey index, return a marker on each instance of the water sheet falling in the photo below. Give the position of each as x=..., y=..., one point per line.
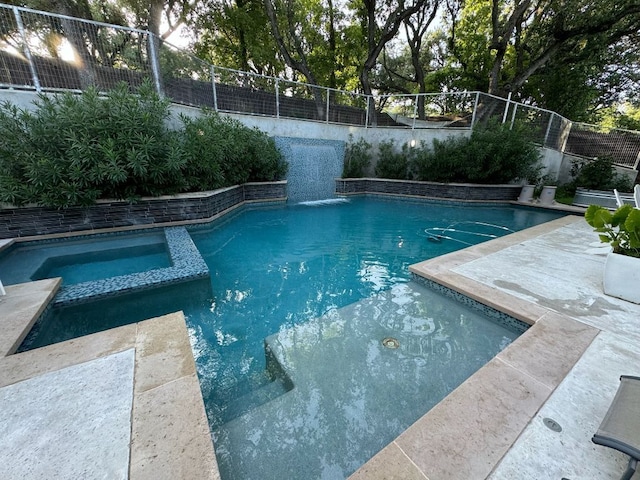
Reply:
x=313, y=167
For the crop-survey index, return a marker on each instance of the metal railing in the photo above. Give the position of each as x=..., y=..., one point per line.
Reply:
x=48, y=52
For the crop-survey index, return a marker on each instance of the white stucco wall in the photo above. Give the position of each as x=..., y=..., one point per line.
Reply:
x=289, y=127
x=556, y=165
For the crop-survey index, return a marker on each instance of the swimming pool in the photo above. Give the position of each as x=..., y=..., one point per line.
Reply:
x=335, y=280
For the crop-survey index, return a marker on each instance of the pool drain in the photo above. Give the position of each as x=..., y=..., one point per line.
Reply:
x=390, y=342
x=552, y=424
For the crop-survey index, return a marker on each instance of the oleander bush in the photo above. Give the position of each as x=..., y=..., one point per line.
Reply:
x=357, y=158
x=392, y=163
x=598, y=174
x=74, y=149
x=493, y=154
x=221, y=151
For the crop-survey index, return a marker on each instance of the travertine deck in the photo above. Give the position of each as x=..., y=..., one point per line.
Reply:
x=166, y=433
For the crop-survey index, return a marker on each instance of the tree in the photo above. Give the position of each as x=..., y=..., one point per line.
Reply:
x=381, y=21
x=579, y=87
x=415, y=29
x=308, y=36
x=467, y=67
x=236, y=34
x=98, y=46
x=626, y=116
x=527, y=35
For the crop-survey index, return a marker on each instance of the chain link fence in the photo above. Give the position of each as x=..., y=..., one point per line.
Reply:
x=48, y=52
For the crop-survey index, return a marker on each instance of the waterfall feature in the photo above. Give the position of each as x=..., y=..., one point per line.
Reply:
x=313, y=167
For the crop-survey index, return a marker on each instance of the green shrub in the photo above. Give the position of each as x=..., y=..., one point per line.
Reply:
x=393, y=164
x=493, y=154
x=444, y=162
x=16, y=154
x=77, y=148
x=597, y=174
x=357, y=157
x=221, y=151
x=73, y=149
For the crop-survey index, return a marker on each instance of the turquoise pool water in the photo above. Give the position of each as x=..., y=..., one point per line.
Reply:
x=287, y=336
x=80, y=260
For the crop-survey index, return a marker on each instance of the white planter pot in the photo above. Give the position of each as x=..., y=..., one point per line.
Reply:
x=548, y=195
x=622, y=277
x=526, y=195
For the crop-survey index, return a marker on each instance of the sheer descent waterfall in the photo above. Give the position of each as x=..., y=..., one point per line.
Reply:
x=313, y=167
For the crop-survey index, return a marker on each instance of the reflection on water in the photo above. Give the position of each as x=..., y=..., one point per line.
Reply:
x=335, y=395
x=351, y=396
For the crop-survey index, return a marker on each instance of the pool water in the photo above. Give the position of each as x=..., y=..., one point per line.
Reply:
x=83, y=260
x=85, y=267
x=287, y=336
x=352, y=394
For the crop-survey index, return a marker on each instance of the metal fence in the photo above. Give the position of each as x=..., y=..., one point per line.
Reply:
x=48, y=52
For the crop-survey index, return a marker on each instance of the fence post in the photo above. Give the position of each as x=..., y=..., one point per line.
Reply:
x=513, y=115
x=566, y=137
x=213, y=84
x=328, y=96
x=546, y=135
x=27, y=52
x=475, y=109
x=155, y=64
x=277, y=99
x=415, y=112
x=366, y=115
x=506, y=109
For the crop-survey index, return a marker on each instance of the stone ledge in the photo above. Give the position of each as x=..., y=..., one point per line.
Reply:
x=168, y=417
x=431, y=190
x=18, y=222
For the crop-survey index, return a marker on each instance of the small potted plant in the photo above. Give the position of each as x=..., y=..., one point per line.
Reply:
x=620, y=229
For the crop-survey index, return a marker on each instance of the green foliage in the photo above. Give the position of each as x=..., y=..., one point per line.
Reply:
x=73, y=149
x=628, y=117
x=597, y=174
x=236, y=35
x=357, y=157
x=221, y=151
x=393, y=164
x=620, y=229
x=493, y=154
x=77, y=148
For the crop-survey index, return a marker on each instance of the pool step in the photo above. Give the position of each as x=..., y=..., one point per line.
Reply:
x=254, y=399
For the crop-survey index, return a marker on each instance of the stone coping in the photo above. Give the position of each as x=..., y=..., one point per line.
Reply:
x=467, y=434
x=169, y=430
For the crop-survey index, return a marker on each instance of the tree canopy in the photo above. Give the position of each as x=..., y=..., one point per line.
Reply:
x=580, y=58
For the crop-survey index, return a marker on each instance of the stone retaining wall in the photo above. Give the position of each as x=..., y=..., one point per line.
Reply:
x=451, y=191
x=31, y=221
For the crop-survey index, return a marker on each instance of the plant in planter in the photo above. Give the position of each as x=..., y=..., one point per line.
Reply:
x=620, y=229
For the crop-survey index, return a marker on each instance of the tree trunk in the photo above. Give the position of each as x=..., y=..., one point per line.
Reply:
x=387, y=32
x=300, y=65
x=74, y=32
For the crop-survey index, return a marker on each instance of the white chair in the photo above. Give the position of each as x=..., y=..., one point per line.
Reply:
x=619, y=201
x=636, y=195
